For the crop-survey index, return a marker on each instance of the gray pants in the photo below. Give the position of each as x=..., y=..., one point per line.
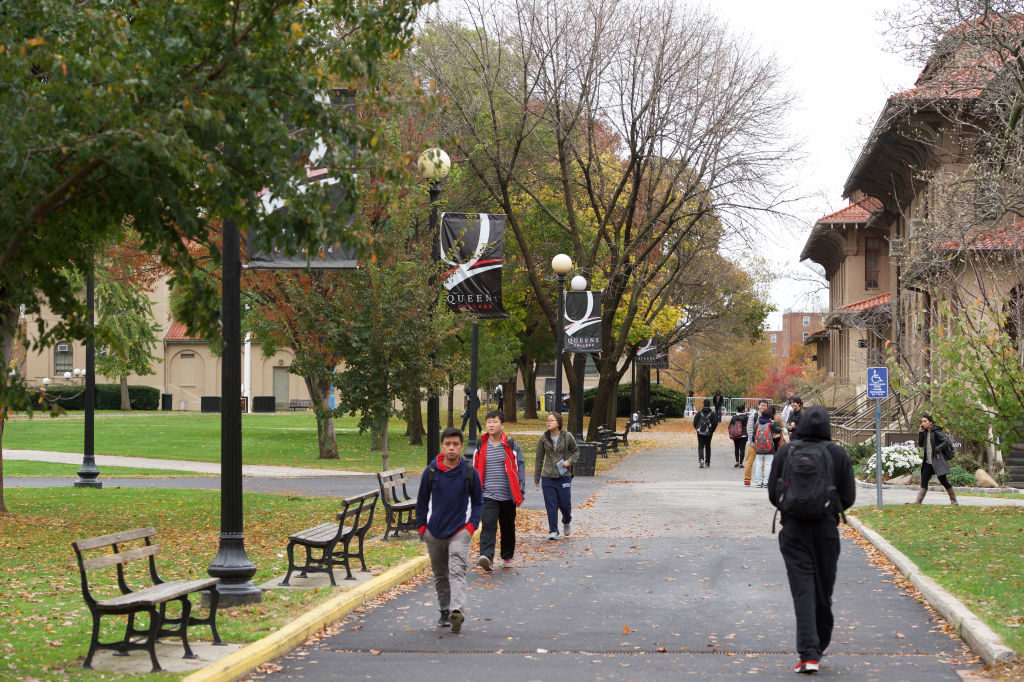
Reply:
x=448, y=558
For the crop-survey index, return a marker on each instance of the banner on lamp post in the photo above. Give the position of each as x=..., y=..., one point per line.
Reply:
x=583, y=322
x=649, y=354
x=473, y=245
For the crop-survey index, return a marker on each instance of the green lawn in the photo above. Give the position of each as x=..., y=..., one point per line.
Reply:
x=15, y=468
x=45, y=622
x=973, y=552
x=271, y=439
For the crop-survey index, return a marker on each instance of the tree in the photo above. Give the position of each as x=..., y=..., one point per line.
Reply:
x=646, y=119
x=188, y=113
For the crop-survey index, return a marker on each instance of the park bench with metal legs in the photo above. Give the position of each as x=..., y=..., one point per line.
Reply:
x=150, y=598
x=609, y=438
x=300, y=404
x=399, y=507
x=622, y=436
x=354, y=521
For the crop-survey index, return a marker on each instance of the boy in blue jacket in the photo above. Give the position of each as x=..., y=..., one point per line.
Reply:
x=448, y=508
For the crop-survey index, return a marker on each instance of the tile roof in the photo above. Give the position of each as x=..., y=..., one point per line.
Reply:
x=1005, y=238
x=866, y=304
x=856, y=212
x=179, y=332
x=820, y=335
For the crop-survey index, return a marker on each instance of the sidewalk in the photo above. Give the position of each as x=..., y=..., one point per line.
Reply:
x=179, y=465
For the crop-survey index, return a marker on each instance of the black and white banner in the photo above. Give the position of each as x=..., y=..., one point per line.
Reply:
x=583, y=321
x=649, y=354
x=473, y=245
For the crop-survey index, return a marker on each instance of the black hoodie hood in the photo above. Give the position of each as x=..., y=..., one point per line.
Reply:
x=814, y=424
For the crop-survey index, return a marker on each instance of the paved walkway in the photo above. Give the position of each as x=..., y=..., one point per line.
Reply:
x=671, y=572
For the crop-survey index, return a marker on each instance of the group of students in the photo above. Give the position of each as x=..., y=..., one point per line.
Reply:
x=758, y=434
x=455, y=497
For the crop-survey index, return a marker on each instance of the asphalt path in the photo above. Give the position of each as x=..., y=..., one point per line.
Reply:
x=671, y=572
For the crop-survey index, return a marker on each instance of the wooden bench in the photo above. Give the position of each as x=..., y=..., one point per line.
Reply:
x=622, y=436
x=609, y=438
x=354, y=521
x=299, y=404
x=399, y=507
x=151, y=597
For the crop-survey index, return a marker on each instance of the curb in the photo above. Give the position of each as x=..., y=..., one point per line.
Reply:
x=978, y=636
x=935, y=487
x=249, y=657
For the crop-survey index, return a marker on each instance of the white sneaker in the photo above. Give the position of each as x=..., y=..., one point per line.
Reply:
x=566, y=529
x=553, y=535
x=484, y=563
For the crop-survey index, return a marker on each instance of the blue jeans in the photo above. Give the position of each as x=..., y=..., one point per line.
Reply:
x=557, y=496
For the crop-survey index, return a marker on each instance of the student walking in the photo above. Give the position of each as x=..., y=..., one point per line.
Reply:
x=448, y=508
x=556, y=453
x=499, y=462
x=738, y=433
x=937, y=451
x=767, y=435
x=472, y=404
x=809, y=539
x=752, y=416
x=704, y=423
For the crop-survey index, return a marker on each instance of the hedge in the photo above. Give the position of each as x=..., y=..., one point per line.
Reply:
x=108, y=397
x=668, y=400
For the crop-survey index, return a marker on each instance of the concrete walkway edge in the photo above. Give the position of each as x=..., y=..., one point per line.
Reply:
x=979, y=636
x=294, y=633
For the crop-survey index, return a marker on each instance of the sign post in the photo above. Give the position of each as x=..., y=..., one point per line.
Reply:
x=878, y=388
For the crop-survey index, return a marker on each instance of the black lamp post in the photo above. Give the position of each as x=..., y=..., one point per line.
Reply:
x=232, y=564
x=561, y=264
x=434, y=165
x=88, y=475
x=474, y=402
x=579, y=283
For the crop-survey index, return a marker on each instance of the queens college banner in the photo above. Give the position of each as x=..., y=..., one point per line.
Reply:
x=583, y=321
x=649, y=354
x=473, y=244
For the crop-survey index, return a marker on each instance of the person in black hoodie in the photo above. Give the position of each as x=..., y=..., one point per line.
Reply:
x=704, y=423
x=810, y=549
x=448, y=508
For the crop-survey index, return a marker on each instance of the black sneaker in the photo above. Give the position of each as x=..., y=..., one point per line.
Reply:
x=457, y=619
x=445, y=619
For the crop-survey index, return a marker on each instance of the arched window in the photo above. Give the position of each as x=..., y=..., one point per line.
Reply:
x=63, y=358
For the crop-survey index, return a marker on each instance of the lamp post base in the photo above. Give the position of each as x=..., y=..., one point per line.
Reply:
x=88, y=475
x=88, y=483
x=235, y=571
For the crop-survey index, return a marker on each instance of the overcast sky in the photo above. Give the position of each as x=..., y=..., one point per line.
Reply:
x=836, y=64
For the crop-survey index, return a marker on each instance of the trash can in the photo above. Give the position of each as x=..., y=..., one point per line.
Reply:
x=166, y=402
x=209, y=403
x=587, y=462
x=264, y=403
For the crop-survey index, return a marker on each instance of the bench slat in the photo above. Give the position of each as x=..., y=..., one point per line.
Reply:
x=158, y=594
x=124, y=536
x=392, y=472
x=120, y=557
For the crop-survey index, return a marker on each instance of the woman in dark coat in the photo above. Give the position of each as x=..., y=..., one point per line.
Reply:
x=937, y=449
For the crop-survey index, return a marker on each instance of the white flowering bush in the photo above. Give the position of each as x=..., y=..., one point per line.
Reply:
x=901, y=458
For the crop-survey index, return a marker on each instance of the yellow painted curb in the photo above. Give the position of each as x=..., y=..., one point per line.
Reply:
x=291, y=635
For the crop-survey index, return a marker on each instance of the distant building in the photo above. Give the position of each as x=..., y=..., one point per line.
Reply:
x=796, y=328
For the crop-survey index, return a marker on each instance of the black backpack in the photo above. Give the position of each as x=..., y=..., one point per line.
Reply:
x=703, y=423
x=805, y=490
x=468, y=470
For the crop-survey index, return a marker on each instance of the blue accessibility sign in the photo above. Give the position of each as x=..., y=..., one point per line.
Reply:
x=878, y=382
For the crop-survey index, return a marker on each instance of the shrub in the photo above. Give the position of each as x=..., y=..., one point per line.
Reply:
x=860, y=451
x=960, y=478
x=108, y=397
x=668, y=400
x=901, y=458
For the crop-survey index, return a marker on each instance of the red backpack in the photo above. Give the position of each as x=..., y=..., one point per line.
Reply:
x=763, y=444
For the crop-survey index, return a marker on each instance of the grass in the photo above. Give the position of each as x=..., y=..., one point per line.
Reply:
x=284, y=439
x=45, y=619
x=20, y=468
x=973, y=552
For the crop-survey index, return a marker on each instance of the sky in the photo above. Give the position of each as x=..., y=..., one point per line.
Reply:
x=835, y=61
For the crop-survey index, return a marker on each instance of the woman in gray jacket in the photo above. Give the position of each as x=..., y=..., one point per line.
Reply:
x=556, y=452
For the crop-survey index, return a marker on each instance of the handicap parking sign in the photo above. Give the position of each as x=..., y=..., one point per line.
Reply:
x=878, y=382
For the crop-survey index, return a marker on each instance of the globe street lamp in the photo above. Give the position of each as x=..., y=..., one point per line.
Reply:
x=561, y=264
x=579, y=283
x=434, y=165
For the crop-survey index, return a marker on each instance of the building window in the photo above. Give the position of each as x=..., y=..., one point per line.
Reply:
x=807, y=320
x=804, y=337
x=775, y=338
x=872, y=258
x=63, y=358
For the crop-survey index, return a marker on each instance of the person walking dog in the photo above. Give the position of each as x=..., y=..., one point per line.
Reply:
x=557, y=452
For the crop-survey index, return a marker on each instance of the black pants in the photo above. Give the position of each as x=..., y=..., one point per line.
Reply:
x=704, y=449
x=926, y=475
x=811, y=553
x=498, y=513
x=740, y=446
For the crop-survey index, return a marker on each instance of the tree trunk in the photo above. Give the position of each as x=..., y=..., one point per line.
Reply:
x=126, y=401
x=8, y=322
x=528, y=368
x=570, y=371
x=414, y=421
x=384, y=445
x=3, y=420
x=509, y=389
x=326, y=435
x=451, y=402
